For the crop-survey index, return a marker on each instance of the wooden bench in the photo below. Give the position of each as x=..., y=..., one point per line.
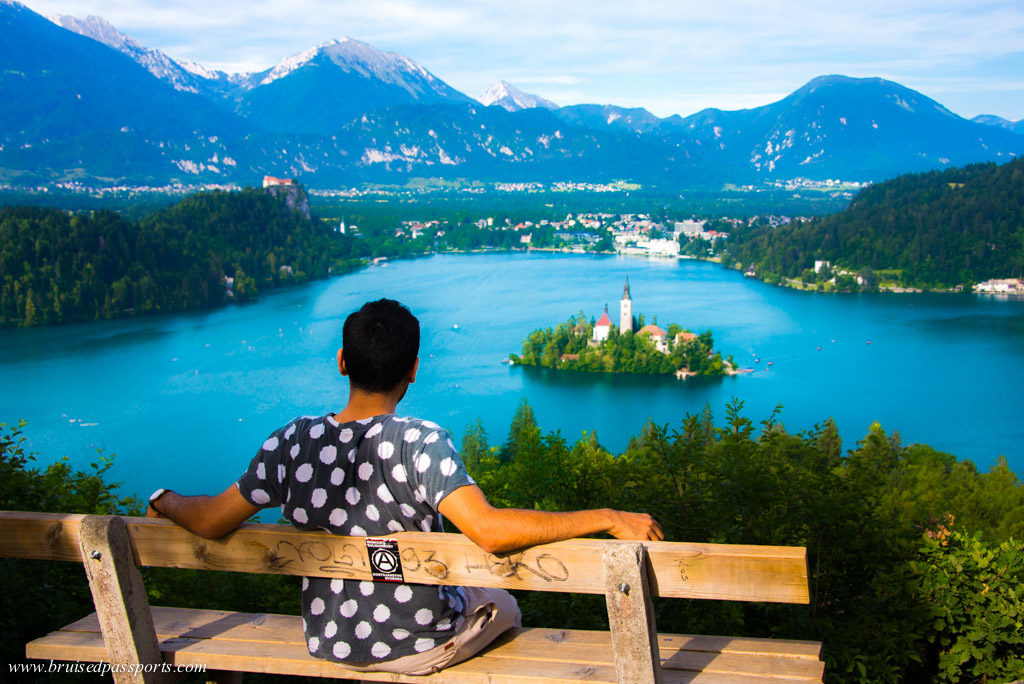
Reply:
x=125, y=629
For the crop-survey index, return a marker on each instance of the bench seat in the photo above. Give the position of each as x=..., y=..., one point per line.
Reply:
x=251, y=642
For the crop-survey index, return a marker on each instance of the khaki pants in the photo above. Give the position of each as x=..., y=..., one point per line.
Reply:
x=489, y=612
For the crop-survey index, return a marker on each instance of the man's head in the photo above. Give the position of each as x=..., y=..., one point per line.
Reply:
x=380, y=343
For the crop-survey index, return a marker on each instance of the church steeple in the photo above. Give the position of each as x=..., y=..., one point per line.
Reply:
x=626, y=310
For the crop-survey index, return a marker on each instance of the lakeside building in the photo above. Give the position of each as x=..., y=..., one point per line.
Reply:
x=626, y=310
x=1001, y=286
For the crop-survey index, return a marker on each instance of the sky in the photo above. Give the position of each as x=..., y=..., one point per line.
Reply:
x=669, y=56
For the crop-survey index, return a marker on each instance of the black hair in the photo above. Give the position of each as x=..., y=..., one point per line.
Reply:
x=380, y=342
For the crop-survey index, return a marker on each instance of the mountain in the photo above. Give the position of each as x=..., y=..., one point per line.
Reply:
x=154, y=61
x=841, y=127
x=1000, y=122
x=105, y=109
x=507, y=96
x=324, y=88
x=635, y=120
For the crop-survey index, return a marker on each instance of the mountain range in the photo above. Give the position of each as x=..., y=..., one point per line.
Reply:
x=88, y=103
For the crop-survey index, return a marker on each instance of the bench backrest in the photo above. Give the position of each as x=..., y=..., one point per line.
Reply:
x=676, y=569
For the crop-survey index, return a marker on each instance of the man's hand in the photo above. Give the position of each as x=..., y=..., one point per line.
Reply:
x=635, y=526
x=153, y=513
x=208, y=516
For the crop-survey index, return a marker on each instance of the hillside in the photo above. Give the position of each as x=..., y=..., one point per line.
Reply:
x=59, y=268
x=937, y=229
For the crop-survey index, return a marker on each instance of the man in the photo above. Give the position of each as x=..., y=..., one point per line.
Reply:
x=366, y=472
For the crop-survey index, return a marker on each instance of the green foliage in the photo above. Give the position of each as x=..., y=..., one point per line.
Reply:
x=863, y=516
x=568, y=347
x=57, y=268
x=936, y=229
x=975, y=595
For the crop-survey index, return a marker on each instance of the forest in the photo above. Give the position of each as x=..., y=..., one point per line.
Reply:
x=932, y=230
x=566, y=347
x=59, y=267
x=915, y=558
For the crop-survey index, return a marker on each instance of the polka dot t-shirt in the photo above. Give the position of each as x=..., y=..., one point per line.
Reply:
x=370, y=477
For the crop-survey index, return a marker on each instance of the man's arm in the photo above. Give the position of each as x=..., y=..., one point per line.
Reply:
x=208, y=516
x=500, y=530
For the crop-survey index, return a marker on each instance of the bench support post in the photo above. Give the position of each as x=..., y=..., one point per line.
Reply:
x=120, y=599
x=631, y=614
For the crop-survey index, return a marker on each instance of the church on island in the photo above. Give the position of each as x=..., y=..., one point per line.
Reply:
x=603, y=327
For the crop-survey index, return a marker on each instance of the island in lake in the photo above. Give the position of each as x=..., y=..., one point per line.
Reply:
x=602, y=347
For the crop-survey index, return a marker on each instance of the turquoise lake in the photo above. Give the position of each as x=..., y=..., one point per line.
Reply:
x=184, y=401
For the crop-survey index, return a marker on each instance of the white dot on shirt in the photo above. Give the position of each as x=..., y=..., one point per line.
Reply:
x=425, y=524
x=424, y=616
x=304, y=472
x=403, y=593
x=380, y=650
x=395, y=526
x=331, y=629
x=384, y=494
x=316, y=431
x=412, y=434
x=420, y=494
x=338, y=517
x=337, y=476
x=314, y=643
x=294, y=451
x=407, y=510
x=366, y=588
x=290, y=431
x=348, y=608
x=352, y=455
x=375, y=430
x=398, y=472
x=281, y=472
x=381, y=613
x=430, y=425
x=365, y=471
x=299, y=516
x=448, y=467
x=352, y=496
x=270, y=444
x=451, y=444
x=305, y=583
x=316, y=606
x=337, y=585
x=444, y=625
x=329, y=453
x=422, y=645
x=372, y=513
x=422, y=463
x=261, y=471
x=319, y=497
x=345, y=435
x=363, y=630
x=386, y=450
x=398, y=634
x=260, y=497
x=357, y=531
x=341, y=650
x=431, y=438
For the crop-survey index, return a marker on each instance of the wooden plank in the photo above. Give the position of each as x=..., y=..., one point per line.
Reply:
x=293, y=659
x=196, y=623
x=541, y=646
x=120, y=599
x=678, y=569
x=631, y=614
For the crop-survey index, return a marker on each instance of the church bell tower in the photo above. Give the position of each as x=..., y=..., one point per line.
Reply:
x=626, y=310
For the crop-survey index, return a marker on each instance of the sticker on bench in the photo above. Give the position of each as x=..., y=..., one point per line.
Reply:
x=385, y=563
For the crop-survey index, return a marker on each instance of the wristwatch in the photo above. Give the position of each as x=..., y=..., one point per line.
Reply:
x=156, y=495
